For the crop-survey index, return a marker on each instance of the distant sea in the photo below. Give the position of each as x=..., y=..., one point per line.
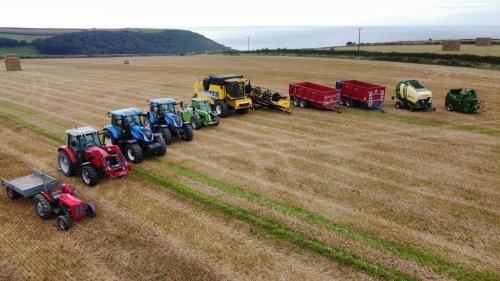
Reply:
x=296, y=37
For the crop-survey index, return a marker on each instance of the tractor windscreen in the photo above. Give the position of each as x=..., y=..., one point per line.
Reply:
x=236, y=90
x=132, y=120
x=204, y=106
x=90, y=140
x=166, y=108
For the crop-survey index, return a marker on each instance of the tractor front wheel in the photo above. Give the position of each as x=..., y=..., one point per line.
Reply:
x=89, y=175
x=133, y=152
x=90, y=210
x=11, y=193
x=449, y=107
x=63, y=223
x=196, y=123
x=65, y=163
x=188, y=134
x=165, y=134
x=221, y=108
x=42, y=207
x=108, y=138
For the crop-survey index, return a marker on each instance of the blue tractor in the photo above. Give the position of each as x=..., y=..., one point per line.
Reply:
x=126, y=131
x=163, y=118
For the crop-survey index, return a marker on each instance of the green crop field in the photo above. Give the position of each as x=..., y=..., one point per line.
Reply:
x=20, y=37
x=316, y=195
x=20, y=51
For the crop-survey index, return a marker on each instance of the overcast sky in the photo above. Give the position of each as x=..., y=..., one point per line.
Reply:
x=175, y=14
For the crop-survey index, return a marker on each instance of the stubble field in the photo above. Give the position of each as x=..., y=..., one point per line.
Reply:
x=316, y=195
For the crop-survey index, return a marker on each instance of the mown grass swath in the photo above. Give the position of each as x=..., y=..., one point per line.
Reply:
x=435, y=263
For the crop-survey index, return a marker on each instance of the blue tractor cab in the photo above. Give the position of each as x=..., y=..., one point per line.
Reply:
x=164, y=118
x=127, y=131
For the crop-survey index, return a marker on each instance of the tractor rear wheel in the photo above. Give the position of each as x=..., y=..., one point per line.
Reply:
x=399, y=105
x=108, y=139
x=63, y=223
x=133, y=152
x=188, y=134
x=65, y=163
x=196, y=122
x=89, y=175
x=449, y=107
x=303, y=103
x=90, y=210
x=221, y=108
x=165, y=134
x=42, y=206
x=11, y=193
x=163, y=148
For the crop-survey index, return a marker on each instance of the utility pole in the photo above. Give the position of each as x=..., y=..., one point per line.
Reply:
x=359, y=37
x=248, y=44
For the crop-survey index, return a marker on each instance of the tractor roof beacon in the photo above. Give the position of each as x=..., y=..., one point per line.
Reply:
x=128, y=133
x=163, y=118
x=83, y=153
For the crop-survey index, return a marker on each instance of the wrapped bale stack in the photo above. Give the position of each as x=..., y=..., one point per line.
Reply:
x=12, y=63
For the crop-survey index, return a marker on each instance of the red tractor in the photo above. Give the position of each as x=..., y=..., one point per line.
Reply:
x=84, y=154
x=62, y=202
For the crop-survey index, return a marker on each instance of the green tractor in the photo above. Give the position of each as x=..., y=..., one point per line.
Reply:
x=413, y=95
x=463, y=100
x=199, y=114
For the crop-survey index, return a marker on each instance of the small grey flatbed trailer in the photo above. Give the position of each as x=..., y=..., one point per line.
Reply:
x=29, y=185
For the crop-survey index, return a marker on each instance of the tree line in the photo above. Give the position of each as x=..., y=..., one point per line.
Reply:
x=123, y=42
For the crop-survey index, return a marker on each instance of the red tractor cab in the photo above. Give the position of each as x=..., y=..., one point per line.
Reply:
x=84, y=154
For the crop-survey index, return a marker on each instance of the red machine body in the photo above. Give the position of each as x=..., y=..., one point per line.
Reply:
x=320, y=96
x=355, y=92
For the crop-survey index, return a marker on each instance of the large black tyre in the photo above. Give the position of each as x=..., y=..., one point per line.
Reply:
x=349, y=103
x=89, y=175
x=11, y=193
x=399, y=105
x=221, y=108
x=166, y=135
x=67, y=168
x=108, y=139
x=196, y=122
x=133, y=153
x=449, y=107
x=63, y=223
x=163, y=148
x=188, y=134
x=303, y=103
x=90, y=210
x=296, y=101
x=42, y=207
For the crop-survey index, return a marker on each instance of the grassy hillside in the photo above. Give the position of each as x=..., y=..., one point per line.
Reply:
x=315, y=195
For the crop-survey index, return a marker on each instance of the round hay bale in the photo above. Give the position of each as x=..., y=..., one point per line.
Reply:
x=126, y=62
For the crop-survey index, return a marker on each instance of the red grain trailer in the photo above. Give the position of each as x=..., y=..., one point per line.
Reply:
x=355, y=92
x=320, y=96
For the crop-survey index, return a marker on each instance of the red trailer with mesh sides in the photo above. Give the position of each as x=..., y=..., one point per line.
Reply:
x=304, y=94
x=359, y=93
